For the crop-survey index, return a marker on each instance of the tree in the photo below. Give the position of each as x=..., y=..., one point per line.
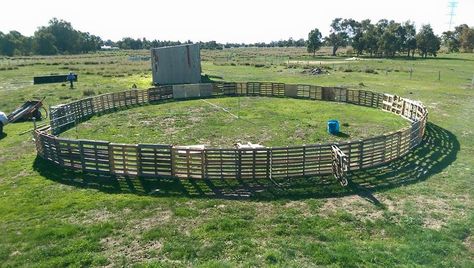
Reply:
x=465, y=37
x=66, y=38
x=314, y=41
x=44, y=43
x=11, y=43
x=427, y=42
x=300, y=42
x=338, y=36
x=451, y=41
x=370, y=39
x=410, y=38
x=391, y=39
x=359, y=42
x=89, y=42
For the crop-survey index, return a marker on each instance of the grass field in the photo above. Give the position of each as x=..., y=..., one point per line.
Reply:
x=266, y=121
x=417, y=211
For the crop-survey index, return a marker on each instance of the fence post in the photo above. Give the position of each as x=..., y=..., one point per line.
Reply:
x=439, y=75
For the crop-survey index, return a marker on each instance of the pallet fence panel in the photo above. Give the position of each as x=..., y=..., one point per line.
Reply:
x=37, y=137
x=229, y=89
x=287, y=162
x=266, y=89
x=415, y=137
x=391, y=146
x=278, y=89
x=253, y=88
x=217, y=89
x=353, y=150
x=222, y=163
x=155, y=160
x=108, y=100
x=142, y=97
x=98, y=104
x=317, y=159
x=95, y=156
x=241, y=89
x=50, y=149
x=373, y=151
x=69, y=153
x=124, y=159
x=353, y=96
x=315, y=92
x=405, y=141
x=303, y=91
x=254, y=163
x=188, y=163
x=341, y=94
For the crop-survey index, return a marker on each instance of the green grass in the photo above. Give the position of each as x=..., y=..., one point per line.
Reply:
x=416, y=211
x=266, y=121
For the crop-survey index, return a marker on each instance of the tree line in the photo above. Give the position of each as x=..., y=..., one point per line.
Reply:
x=382, y=39
x=389, y=38
x=59, y=37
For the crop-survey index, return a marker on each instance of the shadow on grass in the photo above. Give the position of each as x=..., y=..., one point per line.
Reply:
x=342, y=135
x=437, y=151
x=3, y=135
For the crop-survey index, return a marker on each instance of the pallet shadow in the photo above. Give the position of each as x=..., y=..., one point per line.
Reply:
x=438, y=150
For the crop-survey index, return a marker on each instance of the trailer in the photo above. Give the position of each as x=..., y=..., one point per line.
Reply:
x=27, y=111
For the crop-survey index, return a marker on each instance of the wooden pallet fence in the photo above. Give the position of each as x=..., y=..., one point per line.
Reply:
x=266, y=89
x=188, y=163
x=254, y=163
x=160, y=93
x=124, y=159
x=95, y=156
x=69, y=153
x=155, y=160
x=278, y=89
x=286, y=162
x=221, y=163
x=253, y=88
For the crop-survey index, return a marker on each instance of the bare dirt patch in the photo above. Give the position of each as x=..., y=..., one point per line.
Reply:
x=133, y=250
x=317, y=62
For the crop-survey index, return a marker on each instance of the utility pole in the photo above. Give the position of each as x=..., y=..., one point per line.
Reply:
x=452, y=4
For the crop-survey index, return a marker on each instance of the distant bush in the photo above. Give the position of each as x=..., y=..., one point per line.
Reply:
x=370, y=71
x=88, y=92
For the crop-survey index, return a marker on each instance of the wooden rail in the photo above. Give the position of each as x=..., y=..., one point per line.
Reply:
x=158, y=160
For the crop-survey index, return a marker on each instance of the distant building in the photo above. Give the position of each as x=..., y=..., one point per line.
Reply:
x=108, y=48
x=176, y=64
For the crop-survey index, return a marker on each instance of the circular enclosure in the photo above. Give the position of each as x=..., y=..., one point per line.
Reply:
x=225, y=121
x=241, y=162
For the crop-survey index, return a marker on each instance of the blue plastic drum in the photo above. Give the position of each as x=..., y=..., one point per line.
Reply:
x=333, y=127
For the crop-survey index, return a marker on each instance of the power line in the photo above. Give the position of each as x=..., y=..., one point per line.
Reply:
x=452, y=4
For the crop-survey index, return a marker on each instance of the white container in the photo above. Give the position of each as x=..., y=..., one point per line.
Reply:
x=3, y=118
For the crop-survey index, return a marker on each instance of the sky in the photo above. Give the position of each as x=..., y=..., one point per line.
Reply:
x=238, y=21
